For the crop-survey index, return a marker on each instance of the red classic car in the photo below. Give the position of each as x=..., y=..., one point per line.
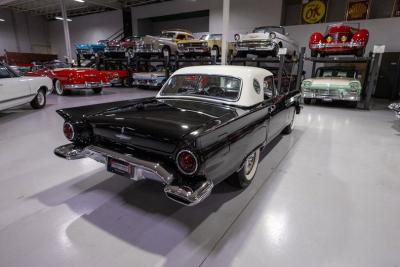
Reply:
x=339, y=39
x=128, y=44
x=116, y=70
x=66, y=79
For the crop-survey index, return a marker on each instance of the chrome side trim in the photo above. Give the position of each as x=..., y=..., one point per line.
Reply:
x=16, y=98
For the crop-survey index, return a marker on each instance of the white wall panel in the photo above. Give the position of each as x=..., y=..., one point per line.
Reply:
x=31, y=32
x=85, y=29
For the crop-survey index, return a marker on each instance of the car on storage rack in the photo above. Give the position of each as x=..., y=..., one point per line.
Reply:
x=339, y=39
x=151, y=79
x=90, y=49
x=17, y=90
x=166, y=43
x=207, y=124
x=126, y=45
x=264, y=41
x=202, y=46
x=66, y=79
x=333, y=84
x=116, y=70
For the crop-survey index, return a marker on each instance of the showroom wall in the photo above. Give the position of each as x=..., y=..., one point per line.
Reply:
x=85, y=29
x=245, y=15
x=21, y=32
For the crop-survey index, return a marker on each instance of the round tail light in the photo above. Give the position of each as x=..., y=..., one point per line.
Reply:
x=187, y=162
x=68, y=130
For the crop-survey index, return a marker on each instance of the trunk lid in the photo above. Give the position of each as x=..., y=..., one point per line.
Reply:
x=157, y=124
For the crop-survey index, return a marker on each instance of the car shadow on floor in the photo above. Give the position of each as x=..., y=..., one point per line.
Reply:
x=87, y=93
x=396, y=126
x=140, y=214
x=18, y=112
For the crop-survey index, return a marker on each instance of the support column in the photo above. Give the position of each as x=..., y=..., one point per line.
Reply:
x=66, y=31
x=225, y=31
x=127, y=21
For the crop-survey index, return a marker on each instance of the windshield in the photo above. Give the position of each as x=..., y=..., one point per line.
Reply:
x=337, y=73
x=58, y=65
x=168, y=35
x=214, y=86
x=211, y=37
x=269, y=29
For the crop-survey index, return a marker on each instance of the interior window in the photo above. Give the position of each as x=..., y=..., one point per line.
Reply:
x=4, y=73
x=268, y=87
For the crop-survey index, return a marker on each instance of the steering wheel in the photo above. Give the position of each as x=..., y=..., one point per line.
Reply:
x=215, y=91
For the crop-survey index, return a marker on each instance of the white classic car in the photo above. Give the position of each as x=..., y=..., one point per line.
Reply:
x=264, y=41
x=17, y=90
x=333, y=84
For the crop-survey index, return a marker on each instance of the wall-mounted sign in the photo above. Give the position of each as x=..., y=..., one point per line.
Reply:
x=357, y=9
x=313, y=11
x=396, y=9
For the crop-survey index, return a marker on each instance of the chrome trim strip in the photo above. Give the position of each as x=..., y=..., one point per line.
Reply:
x=16, y=98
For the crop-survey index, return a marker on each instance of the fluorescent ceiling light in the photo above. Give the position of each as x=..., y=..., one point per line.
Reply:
x=2, y=20
x=60, y=18
x=80, y=1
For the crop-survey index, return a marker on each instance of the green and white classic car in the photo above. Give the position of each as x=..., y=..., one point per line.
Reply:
x=333, y=84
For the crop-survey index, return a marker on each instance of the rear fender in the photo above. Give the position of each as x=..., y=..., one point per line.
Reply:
x=361, y=36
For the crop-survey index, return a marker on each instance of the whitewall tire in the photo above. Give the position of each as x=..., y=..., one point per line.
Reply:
x=40, y=100
x=58, y=88
x=246, y=174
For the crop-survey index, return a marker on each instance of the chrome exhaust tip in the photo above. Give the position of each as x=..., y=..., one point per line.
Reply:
x=189, y=195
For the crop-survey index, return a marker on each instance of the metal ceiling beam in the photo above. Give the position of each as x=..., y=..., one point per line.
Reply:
x=115, y=5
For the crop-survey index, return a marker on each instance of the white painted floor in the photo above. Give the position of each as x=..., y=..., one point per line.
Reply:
x=327, y=195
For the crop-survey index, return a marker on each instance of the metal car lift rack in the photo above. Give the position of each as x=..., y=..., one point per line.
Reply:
x=372, y=62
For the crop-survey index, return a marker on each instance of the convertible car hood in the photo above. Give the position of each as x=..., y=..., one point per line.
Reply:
x=156, y=124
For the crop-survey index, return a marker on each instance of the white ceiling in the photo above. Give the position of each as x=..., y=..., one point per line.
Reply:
x=51, y=8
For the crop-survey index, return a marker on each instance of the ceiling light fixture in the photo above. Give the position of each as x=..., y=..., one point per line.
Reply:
x=2, y=20
x=80, y=1
x=60, y=18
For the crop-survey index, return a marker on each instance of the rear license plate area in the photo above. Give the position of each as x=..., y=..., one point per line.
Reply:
x=120, y=167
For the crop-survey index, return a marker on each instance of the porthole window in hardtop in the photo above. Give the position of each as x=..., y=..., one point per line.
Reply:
x=256, y=86
x=215, y=86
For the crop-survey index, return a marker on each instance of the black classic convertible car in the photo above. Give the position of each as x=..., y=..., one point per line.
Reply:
x=207, y=124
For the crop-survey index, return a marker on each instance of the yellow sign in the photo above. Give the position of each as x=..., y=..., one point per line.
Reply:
x=314, y=12
x=357, y=10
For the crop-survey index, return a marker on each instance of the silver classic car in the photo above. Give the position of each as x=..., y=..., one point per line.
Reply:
x=264, y=41
x=166, y=43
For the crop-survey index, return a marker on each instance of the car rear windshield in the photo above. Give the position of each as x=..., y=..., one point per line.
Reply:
x=214, y=86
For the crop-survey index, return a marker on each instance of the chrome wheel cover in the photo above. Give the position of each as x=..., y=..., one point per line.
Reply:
x=40, y=98
x=58, y=87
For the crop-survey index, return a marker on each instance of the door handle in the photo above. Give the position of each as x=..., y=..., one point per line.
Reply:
x=271, y=108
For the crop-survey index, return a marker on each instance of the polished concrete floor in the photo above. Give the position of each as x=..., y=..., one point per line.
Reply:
x=327, y=195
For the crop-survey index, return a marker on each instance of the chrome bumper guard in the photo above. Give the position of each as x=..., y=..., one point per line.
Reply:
x=188, y=195
x=332, y=97
x=86, y=85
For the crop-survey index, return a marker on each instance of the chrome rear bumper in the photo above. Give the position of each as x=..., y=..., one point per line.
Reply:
x=188, y=195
